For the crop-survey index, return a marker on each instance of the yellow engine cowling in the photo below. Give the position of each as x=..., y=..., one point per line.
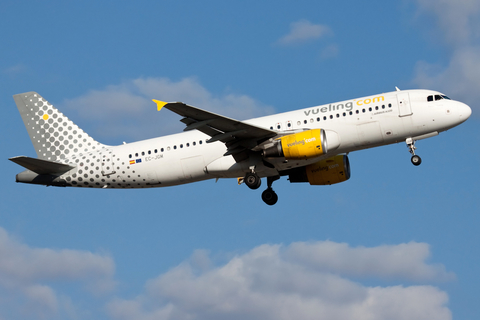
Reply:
x=299, y=146
x=329, y=171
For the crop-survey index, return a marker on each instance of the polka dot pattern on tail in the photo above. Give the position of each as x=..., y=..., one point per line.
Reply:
x=53, y=135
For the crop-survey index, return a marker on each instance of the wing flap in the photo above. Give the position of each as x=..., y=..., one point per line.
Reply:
x=40, y=166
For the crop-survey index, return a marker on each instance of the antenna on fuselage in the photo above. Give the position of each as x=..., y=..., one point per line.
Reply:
x=396, y=88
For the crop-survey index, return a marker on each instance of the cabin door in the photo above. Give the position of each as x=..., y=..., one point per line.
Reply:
x=404, y=106
x=108, y=166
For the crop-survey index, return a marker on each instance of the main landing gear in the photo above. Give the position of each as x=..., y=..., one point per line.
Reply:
x=253, y=181
x=416, y=160
x=269, y=196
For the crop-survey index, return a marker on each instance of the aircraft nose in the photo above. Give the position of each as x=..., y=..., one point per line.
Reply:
x=464, y=112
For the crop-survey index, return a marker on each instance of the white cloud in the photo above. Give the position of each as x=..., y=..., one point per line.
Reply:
x=460, y=79
x=20, y=263
x=458, y=19
x=276, y=282
x=41, y=301
x=302, y=31
x=304, y=280
x=126, y=110
x=406, y=261
x=29, y=274
x=458, y=26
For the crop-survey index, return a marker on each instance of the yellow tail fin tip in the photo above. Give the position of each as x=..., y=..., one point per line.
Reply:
x=160, y=104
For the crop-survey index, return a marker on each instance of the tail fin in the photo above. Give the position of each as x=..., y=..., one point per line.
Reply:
x=53, y=135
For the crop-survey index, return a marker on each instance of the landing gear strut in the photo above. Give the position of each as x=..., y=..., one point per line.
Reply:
x=416, y=160
x=269, y=196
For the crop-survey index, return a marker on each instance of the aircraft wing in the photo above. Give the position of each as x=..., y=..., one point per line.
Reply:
x=237, y=135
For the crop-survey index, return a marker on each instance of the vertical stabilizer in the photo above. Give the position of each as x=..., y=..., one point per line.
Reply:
x=53, y=135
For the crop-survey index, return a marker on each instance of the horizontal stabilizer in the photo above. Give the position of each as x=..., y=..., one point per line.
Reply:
x=40, y=166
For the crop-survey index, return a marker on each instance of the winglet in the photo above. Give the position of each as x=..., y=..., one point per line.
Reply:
x=160, y=104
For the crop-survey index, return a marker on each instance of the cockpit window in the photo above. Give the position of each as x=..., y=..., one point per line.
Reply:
x=437, y=97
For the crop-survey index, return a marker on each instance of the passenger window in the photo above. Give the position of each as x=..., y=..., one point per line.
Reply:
x=331, y=116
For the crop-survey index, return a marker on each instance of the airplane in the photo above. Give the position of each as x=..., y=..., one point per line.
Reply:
x=307, y=145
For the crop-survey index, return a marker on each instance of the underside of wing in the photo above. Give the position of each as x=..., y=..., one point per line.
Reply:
x=238, y=136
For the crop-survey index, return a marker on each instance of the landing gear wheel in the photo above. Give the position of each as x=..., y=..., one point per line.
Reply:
x=416, y=160
x=252, y=180
x=269, y=197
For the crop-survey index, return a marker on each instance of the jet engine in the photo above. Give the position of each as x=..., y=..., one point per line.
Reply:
x=329, y=171
x=299, y=146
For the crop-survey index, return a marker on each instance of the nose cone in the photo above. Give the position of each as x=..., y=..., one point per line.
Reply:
x=464, y=112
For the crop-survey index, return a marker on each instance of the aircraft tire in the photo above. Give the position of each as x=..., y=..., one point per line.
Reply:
x=416, y=160
x=269, y=197
x=252, y=180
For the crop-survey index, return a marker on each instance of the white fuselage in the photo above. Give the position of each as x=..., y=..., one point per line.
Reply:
x=187, y=157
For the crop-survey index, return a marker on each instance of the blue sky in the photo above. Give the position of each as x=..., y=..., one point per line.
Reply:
x=394, y=242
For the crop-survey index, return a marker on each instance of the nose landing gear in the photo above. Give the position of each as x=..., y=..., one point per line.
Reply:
x=416, y=160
